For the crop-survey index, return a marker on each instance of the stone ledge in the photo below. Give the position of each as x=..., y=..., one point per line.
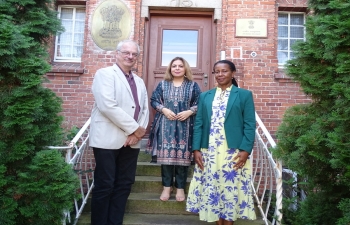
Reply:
x=66, y=69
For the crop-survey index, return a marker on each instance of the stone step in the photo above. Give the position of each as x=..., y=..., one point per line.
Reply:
x=143, y=157
x=151, y=184
x=153, y=169
x=164, y=219
x=149, y=203
x=148, y=169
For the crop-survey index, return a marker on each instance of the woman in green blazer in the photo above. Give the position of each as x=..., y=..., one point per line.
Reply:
x=223, y=139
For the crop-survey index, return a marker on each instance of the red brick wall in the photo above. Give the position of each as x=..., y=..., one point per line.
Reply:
x=273, y=91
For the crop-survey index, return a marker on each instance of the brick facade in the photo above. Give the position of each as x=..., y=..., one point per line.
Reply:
x=273, y=90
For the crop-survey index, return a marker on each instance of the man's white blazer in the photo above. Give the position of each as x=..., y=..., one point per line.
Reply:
x=112, y=117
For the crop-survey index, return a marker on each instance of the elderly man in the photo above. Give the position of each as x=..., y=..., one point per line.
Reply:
x=118, y=121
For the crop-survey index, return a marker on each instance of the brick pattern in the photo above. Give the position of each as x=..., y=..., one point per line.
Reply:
x=71, y=2
x=273, y=90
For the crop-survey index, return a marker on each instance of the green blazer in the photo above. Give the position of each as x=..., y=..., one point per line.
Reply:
x=239, y=123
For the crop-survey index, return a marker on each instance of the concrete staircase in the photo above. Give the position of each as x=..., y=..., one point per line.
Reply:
x=144, y=206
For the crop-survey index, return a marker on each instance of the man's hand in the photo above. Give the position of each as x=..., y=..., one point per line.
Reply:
x=140, y=132
x=131, y=140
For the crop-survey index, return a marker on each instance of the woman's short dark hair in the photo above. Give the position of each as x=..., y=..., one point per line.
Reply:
x=232, y=68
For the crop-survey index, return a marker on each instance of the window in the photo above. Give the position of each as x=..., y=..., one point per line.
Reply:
x=69, y=44
x=181, y=43
x=290, y=29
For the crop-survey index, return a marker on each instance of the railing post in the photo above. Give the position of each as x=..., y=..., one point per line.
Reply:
x=279, y=194
x=69, y=152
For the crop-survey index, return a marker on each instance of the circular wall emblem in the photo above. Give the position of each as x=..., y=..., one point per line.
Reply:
x=111, y=23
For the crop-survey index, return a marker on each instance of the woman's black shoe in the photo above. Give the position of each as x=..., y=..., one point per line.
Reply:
x=154, y=159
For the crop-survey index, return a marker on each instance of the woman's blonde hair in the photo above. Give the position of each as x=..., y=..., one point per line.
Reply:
x=188, y=73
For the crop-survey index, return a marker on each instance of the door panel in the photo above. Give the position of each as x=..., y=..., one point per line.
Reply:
x=190, y=37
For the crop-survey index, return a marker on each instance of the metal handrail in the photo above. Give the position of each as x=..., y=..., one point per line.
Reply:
x=267, y=175
x=80, y=156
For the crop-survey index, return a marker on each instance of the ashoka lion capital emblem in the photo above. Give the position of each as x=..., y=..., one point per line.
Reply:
x=111, y=17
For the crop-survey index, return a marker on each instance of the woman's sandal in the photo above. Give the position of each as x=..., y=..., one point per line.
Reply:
x=180, y=195
x=165, y=194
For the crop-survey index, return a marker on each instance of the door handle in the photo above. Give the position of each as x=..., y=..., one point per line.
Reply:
x=205, y=79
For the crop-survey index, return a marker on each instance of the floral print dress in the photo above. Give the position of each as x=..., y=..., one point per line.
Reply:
x=219, y=191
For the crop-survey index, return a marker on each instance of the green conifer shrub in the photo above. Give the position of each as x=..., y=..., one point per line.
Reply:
x=46, y=184
x=313, y=139
x=29, y=118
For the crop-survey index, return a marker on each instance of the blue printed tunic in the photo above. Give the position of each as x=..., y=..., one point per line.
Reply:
x=171, y=140
x=219, y=191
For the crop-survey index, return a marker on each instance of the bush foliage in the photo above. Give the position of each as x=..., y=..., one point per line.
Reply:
x=314, y=138
x=35, y=184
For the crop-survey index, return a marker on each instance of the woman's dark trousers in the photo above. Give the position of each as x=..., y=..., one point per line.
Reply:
x=171, y=171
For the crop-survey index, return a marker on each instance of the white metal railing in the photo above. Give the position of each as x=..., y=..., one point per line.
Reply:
x=267, y=176
x=80, y=156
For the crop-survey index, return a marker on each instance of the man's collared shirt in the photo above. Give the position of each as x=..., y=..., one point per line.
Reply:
x=130, y=78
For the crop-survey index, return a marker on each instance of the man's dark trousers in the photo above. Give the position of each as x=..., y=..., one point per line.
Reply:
x=113, y=177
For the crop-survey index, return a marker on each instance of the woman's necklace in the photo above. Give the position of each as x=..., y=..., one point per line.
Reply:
x=177, y=82
x=222, y=94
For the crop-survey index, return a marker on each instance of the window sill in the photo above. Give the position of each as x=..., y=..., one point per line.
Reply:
x=66, y=69
x=281, y=76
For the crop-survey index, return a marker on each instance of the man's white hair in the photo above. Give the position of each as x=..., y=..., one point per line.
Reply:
x=120, y=45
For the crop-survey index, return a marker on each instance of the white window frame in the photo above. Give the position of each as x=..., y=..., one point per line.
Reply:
x=289, y=50
x=68, y=59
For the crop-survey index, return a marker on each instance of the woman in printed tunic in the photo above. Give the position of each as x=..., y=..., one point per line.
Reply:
x=170, y=141
x=223, y=139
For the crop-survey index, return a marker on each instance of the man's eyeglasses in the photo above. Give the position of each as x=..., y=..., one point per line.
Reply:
x=128, y=53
